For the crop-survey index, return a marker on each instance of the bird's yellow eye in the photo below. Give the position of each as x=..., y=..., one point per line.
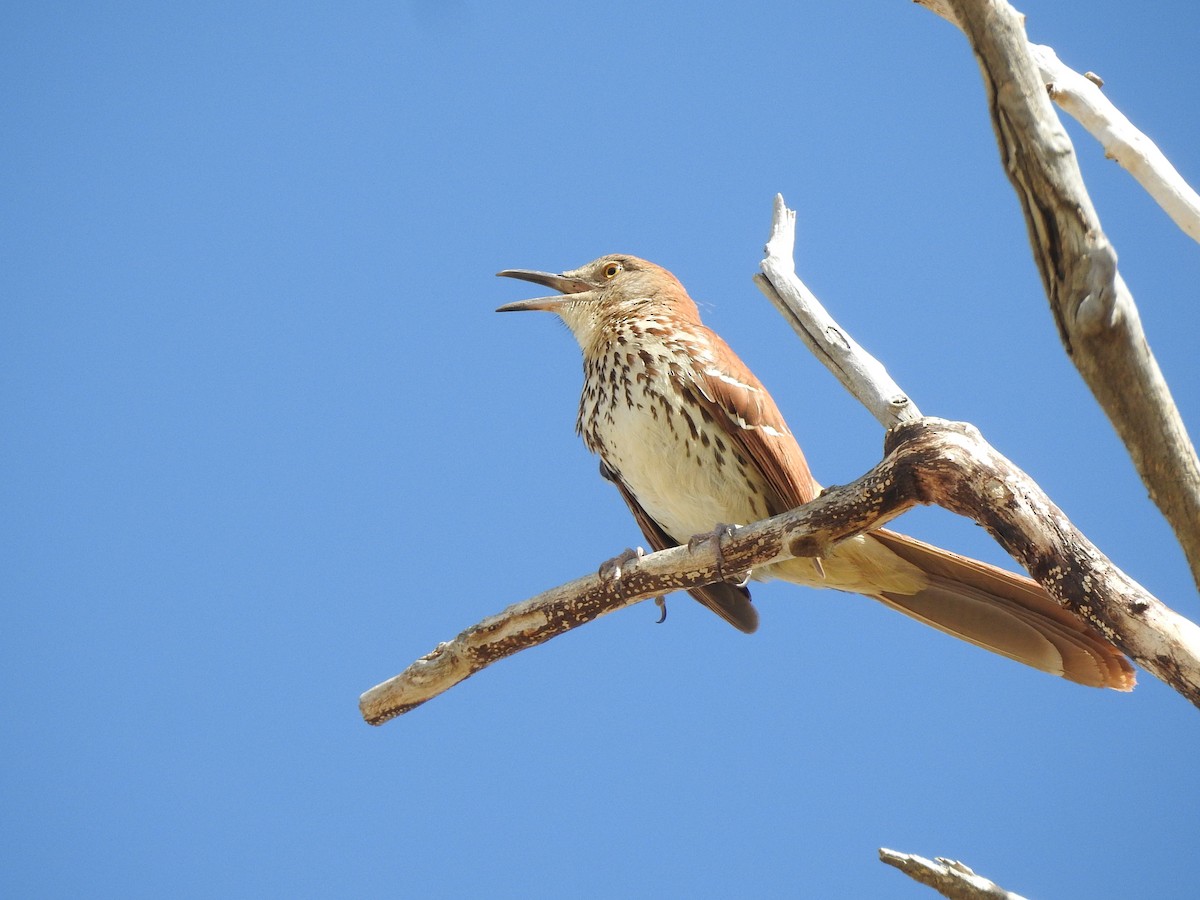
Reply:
x=611, y=270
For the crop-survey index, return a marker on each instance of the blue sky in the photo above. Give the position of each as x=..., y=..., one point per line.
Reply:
x=267, y=443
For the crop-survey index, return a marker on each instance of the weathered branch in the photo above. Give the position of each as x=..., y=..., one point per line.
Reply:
x=1080, y=97
x=948, y=877
x=1096, y=316
x=960, y=472
x=859, y=372
x=929, y=461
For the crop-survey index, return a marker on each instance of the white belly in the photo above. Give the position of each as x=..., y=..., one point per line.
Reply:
x=676, y=477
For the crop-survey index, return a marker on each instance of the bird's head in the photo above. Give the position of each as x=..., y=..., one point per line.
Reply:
x=597, y=296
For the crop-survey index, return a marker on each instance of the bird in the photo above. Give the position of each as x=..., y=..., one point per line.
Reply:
x=692, y=439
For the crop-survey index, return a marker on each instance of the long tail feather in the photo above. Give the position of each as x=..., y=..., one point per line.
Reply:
x=1005, y=613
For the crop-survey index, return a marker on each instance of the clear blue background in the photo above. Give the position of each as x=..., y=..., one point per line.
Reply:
x=265, y=443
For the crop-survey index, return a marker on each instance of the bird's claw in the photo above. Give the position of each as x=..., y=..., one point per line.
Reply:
x=614, y=568
x=719, y=532
x=661, y=603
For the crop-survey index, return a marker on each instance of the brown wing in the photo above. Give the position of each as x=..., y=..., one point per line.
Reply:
x=997, y=610
x=1005, y=613
x=728, y=601
x=728, y=391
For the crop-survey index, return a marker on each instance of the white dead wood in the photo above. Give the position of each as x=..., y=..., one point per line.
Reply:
x=948, y=877
x=859, y=372
x=1082, y=99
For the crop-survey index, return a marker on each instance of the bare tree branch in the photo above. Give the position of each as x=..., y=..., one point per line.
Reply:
x=930, y=461
x=948, y=877
x=962, y=473
x=1096, y=316
x=1081, y=98
x=859, y=372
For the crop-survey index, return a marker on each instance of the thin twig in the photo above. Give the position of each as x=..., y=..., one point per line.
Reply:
x=1081, y=98
x=861, y=374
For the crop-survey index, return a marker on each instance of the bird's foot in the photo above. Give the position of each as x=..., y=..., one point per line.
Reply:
x=719, y=532
x=614, y=568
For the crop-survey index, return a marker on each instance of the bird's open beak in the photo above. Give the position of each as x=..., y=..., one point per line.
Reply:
x=564, y=284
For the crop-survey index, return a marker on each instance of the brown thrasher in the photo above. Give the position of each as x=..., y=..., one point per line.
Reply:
x=692, y=439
